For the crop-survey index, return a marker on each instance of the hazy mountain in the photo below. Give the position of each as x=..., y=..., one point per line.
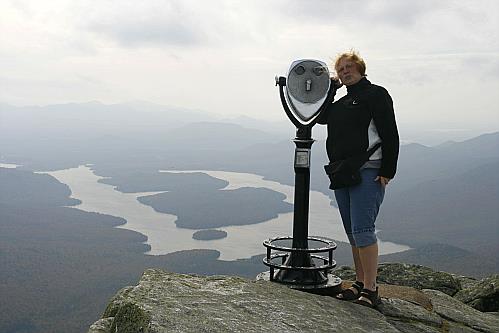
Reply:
x=447, y=195
x=215, y=136
x=460, y=210
x=450, y=185
x=449, y=258
x=60, y=265
x=61, y=136
x=418, y=163
x=445, y=144
x=96, y=117
x=283, y=128
x=433, y=137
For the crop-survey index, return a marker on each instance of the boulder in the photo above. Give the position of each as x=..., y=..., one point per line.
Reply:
x=101, y=325
x=407, y=311
x=417, y=276
x=461, y=314
x=410, y=275
x=345, y=273
x=413, y=327
x=465, y=281
x=483, y=295
x=171, y=302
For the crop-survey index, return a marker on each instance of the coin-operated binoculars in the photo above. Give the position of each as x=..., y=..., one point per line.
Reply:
x=305, y=93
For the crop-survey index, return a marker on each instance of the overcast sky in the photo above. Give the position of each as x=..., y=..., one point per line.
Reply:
x=438, y=59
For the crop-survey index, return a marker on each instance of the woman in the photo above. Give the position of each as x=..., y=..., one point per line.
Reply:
x=355, y=123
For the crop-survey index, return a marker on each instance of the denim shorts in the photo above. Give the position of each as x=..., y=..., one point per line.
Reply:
x=359, y=206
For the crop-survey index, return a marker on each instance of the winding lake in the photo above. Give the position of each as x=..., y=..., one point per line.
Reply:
x=164, y=236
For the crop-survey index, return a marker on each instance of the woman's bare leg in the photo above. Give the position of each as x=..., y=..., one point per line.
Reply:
x=359, y=272
x=369, y=262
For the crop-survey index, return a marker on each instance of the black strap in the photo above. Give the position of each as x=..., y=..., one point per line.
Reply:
x=373, y=149
x=358, y=285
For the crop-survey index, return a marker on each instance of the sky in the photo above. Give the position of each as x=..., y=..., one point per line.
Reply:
x=438, y=59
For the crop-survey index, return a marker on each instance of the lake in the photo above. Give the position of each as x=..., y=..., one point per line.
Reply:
x=9, y=165
x=164, y=236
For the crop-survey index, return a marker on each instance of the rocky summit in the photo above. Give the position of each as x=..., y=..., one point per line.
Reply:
x=171, y=302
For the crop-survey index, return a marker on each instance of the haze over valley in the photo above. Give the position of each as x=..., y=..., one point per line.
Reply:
x=441, y=210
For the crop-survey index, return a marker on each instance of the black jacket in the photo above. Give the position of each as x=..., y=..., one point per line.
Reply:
x=348, y=121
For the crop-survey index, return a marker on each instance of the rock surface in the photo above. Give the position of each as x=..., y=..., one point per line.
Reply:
x=171, y=302
x=410, y=275
x=417, y=276
x=483, y=295
x=460, y=313
x=102, y=325
x=465, y=281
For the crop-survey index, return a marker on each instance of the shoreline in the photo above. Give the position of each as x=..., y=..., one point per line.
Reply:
x=164, y=236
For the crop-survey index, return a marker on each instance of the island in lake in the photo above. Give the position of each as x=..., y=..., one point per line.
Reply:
x=209, y=234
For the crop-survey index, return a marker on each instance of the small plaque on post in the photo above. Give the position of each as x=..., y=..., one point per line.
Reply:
x=302, y=158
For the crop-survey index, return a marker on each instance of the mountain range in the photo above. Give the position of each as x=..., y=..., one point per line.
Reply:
x=60, y=265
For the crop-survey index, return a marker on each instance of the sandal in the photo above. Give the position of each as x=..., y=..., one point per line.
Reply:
x=369, y=298
x=351, y=293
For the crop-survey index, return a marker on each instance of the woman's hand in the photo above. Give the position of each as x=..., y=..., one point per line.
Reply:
x=383, y=180
x=336, y=82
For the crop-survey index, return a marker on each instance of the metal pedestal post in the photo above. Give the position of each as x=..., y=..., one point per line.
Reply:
x=303, y=142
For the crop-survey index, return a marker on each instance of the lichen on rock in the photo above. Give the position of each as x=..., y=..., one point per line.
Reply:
x=417, y=276
x=409, y=275
x=455, y=311
x=483, y=295
x=171, y=302
x=131, y=318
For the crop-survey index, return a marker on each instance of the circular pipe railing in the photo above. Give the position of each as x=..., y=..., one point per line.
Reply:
x=328, y=263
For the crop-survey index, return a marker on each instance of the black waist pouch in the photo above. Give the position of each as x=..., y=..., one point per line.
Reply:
x=345, y=173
